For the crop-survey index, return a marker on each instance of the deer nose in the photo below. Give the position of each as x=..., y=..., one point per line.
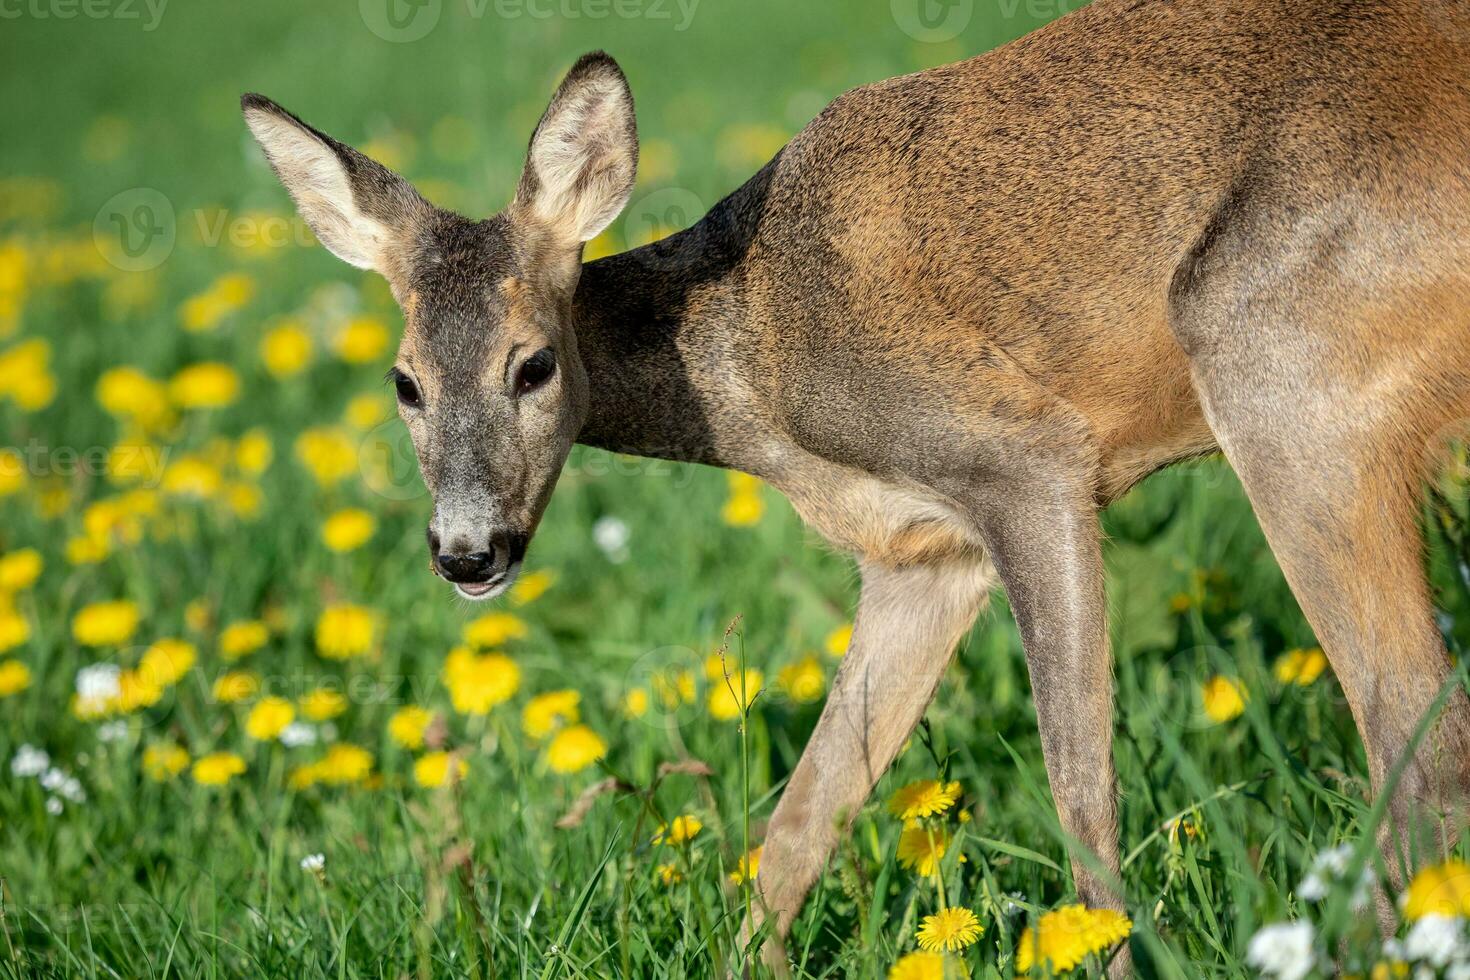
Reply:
x=473, y=567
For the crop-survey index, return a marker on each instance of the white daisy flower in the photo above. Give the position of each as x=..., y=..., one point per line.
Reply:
x=611, y=534
x=1436, y=940
x=1283, y=950
x=297, y=734
x=29, y=761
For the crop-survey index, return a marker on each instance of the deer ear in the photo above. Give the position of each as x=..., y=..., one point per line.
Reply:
x=358, y=208
x=584, y=154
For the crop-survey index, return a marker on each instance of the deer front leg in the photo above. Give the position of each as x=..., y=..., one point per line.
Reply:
x=1044, y=540
x=908, y=622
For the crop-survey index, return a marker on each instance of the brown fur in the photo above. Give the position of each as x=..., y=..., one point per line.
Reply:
x=966, y=308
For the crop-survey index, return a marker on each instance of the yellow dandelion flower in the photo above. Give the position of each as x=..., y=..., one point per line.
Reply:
x=167, y=661
x=1067, y=936
x=217, y=768
x=286, y=349
x=365, y=412
x=434, y=769
x=675, y=687
x=408, y=725
x=254, y=452
x=1223, y=698
x=924, y=798
x=192, y=476
x=269, y=718
x=348, y=529
x=25, y=375
x=635, y=703
x=804, y=681
x=163, y=762
x=12, y=472
x=729, y=698
x=204, y=385
x=478, y=682
x=14, y=677
x=743, y=510
x=680, y=830
x=493, y=629
x=920, y=849
x=242, y=637
x=206, y=310
x=545, y=713
x=19, y=570
x=839, y=640
x=361, y=340
x=130, y=395
x=14, y=629
x=244, y=500
x=135, y=691
x=344, y=764
x=530, y=587
x=344, y=631
x=919, y=966
x=323, y=704
x=235, y=686
x=748, y=867
x=949, y=930
x=1300, y=666
x=102, y=624
x=329, y=454
x=1441, y=889
x=305, y=776
x=574, y=749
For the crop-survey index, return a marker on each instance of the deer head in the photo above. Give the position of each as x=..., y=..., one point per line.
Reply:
x=488, y=376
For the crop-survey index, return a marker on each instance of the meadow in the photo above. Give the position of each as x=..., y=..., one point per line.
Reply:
x=245, y=732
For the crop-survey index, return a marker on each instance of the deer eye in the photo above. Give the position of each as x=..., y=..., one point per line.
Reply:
x=408, y=392
x=535, y=370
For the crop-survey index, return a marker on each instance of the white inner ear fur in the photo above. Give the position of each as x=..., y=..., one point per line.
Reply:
x=318, y=183
x=584, y=160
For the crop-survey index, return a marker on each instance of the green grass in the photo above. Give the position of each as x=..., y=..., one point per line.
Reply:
x=169, y=878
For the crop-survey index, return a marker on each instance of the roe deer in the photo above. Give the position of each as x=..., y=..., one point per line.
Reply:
x=962, y=311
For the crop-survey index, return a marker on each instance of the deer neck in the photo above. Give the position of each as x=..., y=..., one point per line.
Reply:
x=659, y=330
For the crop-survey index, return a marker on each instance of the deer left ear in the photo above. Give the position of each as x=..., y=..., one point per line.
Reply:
x=583, y=157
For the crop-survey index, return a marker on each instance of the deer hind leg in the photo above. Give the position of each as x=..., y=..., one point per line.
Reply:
x=1330, y=422
x=908, y=622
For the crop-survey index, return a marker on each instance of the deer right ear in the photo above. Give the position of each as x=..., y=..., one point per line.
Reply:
x=358, y=208
x=584, y=154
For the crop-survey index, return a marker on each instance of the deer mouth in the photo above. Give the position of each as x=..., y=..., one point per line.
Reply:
x=490, y=588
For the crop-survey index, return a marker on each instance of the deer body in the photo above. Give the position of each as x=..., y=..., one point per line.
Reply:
x=965, y=309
